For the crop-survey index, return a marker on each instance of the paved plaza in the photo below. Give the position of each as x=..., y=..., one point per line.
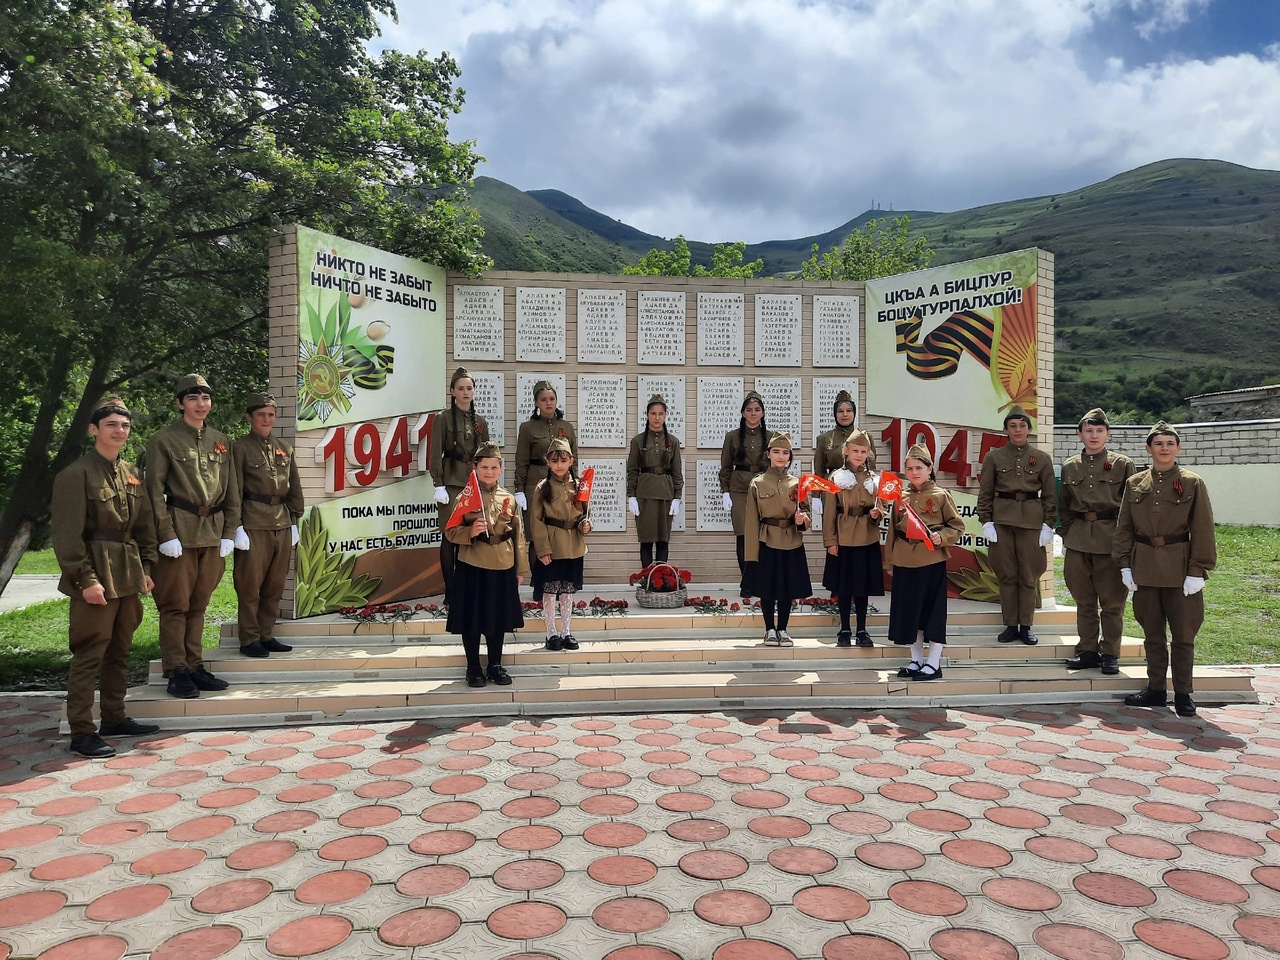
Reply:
x=1078, y=833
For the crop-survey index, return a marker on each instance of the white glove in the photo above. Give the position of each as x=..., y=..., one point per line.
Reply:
x=634, y=506
x=442, y=495
x=294, y=535
x=1046, y=534
x=1126, y=577
x=872, y=485
x=241, y=539
x=675, y=508
x=989, y=531
x=1192, y=585
x=225, y=547
x=523, y=501
x=815, y=507
x=172, y=548
x=728, y=503
x=843, y=478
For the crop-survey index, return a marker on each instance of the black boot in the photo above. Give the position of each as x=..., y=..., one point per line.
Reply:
x=1084, y=660
x=1008, y=635
x=1148, y=698
x=1027, y=637
x=1183, y=705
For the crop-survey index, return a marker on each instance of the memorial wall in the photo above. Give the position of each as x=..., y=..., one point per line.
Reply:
x=610, y=342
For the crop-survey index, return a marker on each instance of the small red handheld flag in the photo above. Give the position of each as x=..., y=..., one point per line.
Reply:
x=811, y=481
x=585, y=483
x=917, y=529
x=890, y=486
x=468, y=502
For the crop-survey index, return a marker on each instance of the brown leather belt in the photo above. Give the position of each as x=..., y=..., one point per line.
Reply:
x=1100, y=515
x=742, y=467
x=1163, y=541
x=500, y=538
x=657, y=471
x=562, y=524
x=114, y=536
x=1018, y=495
x=263, y=498
x=855, y=511
x=778, y=521
x=190, y=507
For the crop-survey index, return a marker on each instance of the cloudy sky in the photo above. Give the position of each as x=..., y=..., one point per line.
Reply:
x=770, y=119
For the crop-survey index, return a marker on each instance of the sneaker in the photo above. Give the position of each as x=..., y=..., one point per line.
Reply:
x=568, y=643
x=771, y=638
x=864, y=639
x=1183, y=705
x=275, y=646
x=844, y=638
x=784, y=639
x=1027, y=637
x=255, y=649
x=475, y=677
x=129, y=727
x=1148, y=698
x=1110, y=665
x=205, y=680
x=182, y=686
x=1084, y=660
x=554, y=643
x=910, y=670
x=1008, y=635
x=92, y=746
x=928, y=673
x=498, y=674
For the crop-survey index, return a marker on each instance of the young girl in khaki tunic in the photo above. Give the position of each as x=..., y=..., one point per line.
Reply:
x=559, y=525
x=854, y=570
x=655, y=482
x=776, y=569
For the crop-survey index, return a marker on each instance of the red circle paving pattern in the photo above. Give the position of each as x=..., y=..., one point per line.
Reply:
x=779, y=828
x=1264, y=931
x=532, y=781
x=528, y=875
x=127, y=903
x=1181, y=940
x=697, y=831
x=834, y=904
x=834, y=796
x=609, y=834
x=337, y=886
x=890, y=856
x=308, y=936
x=620, y=871
x=420, y=927
x=732, y=908
x=87, y=948
x=1206, y=886
x=231, y=895
x=433, y=881
x=528, y=920
x=752, y=950
x=451, y=811
x=441, y=843
x=1227, y=844
x=802, y=861
x=69, y=867
x=630, y=915
x=1021, y=894
x=863, y=946
x=1071, y=942
x=962, y=944
x=167, y=861
x=608, y=805
x=1114, y=890
x=713, y=865
x=201, y=828
x=30, y=907
x=264, y=853
x=927, y=898
x=976, y=853
x=207, y=943
x=535, y=837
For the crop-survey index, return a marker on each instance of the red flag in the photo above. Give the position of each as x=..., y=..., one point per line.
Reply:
x=468, y=502
x=890, y=486
x=585, y=483
x=917, y=529
x=811, y=481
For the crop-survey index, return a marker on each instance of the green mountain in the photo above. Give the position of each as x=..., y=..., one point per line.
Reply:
x=1167, y=276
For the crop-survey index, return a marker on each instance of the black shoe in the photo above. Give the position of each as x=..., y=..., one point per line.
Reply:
x=92, y=746
x=567, y=642
x=555, y=644
x=498, y=674
x=864, y=639
x=1110, y=665
x=1008, y=635
x=928, y=673
x=182, y=686
x=1148, y=698
x=129, y=727
x=844, y=638
x=1027, y=637
x=1085, y=660
x=1183, y=705
x=255, y=649
x=205, y=680
x=475, y=677
x=275, y=646
x=910, y=670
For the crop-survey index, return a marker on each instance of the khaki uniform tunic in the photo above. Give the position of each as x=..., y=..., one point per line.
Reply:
x=499, y=551
x=740, y=463
x=534, y=438
x=1172, y=505
x=938, y=511
x=1017, y=557
x=561, y=543
x=847, y=515
x=453, y=448
x=828, y=451
x=772, y=496
x=655, y=477
x=1089, y=504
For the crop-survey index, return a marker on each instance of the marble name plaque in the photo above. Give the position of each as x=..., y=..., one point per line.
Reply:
x=490, y=401
x=835, y=331
x=524, y=394
x=778, y=330
x=711, y=512
x=783, y=410
x=660, y=327
x=608, y=495
x=602, y=411
x=602, y=326
x=672, y=390
x=479, y=328
x=721, y=329
x=719, y=409
x=824, y=400
x=540, y=324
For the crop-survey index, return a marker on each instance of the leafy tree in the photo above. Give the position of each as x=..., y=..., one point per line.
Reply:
x=147, y=150
x=876, y=249
x=726, y=261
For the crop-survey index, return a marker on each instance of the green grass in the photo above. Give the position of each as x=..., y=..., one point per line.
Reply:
x=1242, y=599
x=38, y=561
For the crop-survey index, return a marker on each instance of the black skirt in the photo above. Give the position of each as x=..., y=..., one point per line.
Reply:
x=778, y=575
x=855, y=572
x=561, y=576
x=484, y=602
x=919, y=602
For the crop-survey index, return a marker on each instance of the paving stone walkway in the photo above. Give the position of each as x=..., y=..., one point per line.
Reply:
x=1077, y=833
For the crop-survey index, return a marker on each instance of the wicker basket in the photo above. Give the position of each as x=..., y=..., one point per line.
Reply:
x=661, y=599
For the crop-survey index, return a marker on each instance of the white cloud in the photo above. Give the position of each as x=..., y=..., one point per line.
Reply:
x=763, y=119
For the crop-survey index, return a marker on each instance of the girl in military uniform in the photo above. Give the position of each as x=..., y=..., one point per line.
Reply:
x=744, y=456
x=918, y=606
x=456, y=435
x=532, y=442
x=854, y=569
x=559, y=525
x=828, y=449
x=491, y=564
x=776, y=569
x=655, y=482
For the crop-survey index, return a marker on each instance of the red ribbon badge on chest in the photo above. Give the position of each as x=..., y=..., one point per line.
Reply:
x=1177, y=485
x=1108, y=465
x=1031, y=462
x=133, y=481
x=219, y=447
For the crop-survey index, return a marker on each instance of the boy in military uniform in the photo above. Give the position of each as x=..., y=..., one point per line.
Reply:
x=263, y=508
x=189, y=473
x=1165, y=548
x=1015, y=505
x=105, y=542
x=1092, y=488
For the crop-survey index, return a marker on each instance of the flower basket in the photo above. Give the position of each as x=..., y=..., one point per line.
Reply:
x=648, y=596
